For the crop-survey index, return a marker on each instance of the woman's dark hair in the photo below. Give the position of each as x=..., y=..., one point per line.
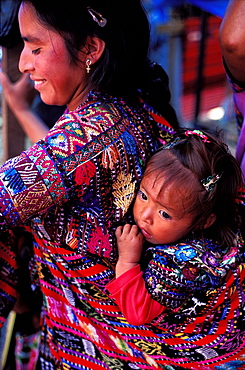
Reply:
x=124, y=69
x=192, y=159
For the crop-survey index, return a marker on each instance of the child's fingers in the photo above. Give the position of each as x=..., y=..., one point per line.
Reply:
x=123, y=231
x=127, y=229
x=119, y=231
x=135, y=230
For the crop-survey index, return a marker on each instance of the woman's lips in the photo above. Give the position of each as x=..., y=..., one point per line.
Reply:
x=38, y=83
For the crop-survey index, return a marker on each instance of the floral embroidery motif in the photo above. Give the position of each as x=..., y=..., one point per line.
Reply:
x=185, y=253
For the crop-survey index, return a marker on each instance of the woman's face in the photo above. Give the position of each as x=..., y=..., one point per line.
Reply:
x=45, y=57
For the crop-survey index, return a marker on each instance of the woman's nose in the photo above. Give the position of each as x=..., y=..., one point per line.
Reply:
x=25, y=61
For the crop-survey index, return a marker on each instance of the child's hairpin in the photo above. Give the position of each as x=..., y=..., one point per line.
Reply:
x=198, y=133
x=210, y=181
x=97, y=17
x=175, y=141
x=170, y=144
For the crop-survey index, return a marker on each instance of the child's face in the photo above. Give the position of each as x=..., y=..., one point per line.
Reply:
x=161, y=216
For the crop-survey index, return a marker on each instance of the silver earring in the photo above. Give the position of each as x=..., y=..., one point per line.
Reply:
x=88, y=63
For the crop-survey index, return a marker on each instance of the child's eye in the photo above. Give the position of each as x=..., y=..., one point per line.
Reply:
x=164, y=214
x=142, y=195
x=36, y=51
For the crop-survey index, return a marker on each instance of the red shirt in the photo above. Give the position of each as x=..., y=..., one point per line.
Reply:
x=132, y=297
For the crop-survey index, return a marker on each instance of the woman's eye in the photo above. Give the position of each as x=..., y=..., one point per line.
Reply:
x=164, y=214
x=36, y=51
x=142, y=195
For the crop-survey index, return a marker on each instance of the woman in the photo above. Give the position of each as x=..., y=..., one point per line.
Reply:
x=72, y=188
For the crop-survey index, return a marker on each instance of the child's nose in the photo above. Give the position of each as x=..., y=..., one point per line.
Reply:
x=147, y=216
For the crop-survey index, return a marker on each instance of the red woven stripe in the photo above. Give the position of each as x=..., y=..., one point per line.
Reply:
x=8, y=289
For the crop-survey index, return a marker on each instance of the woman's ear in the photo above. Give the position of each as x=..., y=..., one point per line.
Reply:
x=209, y=222
x=94, y=48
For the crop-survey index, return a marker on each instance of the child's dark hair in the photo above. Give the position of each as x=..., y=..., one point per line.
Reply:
x=196, y=156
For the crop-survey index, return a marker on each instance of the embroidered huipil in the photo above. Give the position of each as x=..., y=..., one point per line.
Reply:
x=71, y=191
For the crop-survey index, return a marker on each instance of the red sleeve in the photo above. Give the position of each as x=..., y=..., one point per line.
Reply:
x=132, y=297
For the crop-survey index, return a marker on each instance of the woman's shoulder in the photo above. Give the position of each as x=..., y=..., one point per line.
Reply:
x=101, y=108
x=96, y=114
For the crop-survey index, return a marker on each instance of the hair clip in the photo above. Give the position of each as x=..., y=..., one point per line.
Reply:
x=210, y=181
x=97, y=17
x=198, y=133
x=171, y=143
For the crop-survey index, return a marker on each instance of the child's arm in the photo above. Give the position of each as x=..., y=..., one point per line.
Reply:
x=128, y=289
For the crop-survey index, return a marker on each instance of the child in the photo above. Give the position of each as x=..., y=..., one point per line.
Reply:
x=189, y=188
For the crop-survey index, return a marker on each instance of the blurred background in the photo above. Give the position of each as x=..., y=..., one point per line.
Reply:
x=185, y=42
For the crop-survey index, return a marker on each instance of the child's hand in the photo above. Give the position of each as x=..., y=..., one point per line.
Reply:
x=130, y=244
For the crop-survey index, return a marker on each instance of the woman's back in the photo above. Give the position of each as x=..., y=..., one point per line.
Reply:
x=96, y=155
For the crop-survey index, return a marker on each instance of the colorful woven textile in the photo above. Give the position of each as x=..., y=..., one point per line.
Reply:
x=71, y=191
